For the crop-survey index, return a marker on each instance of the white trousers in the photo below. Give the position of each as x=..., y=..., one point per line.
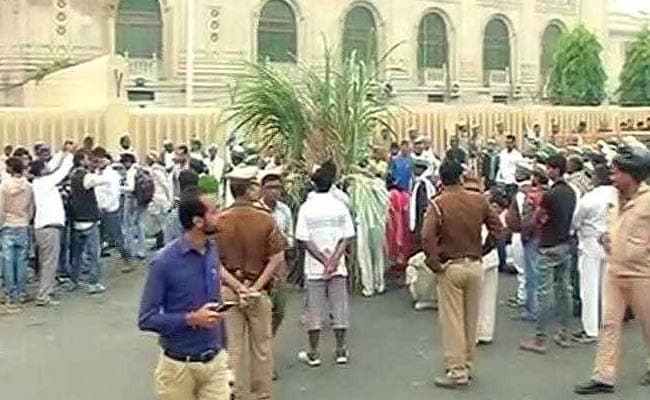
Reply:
x=591, y=266
x=488, y=307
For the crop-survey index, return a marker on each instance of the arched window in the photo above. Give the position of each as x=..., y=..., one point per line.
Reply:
x=138, y=28
x=360, y=34
x=433, y=47
x=550, y=40
x=496, y=47
x=276, y=33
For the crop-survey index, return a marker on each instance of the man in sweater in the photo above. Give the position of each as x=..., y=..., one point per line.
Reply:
x=85, y=177
x=49, y=222
x=554, y=216
x=16, y=211
x=628, y=266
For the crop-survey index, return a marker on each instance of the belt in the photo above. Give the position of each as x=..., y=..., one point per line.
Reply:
x=204, y=357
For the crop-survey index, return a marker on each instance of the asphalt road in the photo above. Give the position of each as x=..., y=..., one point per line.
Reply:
x=90, y=348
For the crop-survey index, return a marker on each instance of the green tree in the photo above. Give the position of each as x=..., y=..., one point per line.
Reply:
x=635, y=76
x=577, y=77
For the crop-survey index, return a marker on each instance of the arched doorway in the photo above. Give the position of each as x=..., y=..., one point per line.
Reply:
x=496, y=50
x=433, y=48
x=277, y=36
x=360, y=34
x=138, y=29
x=550, y=40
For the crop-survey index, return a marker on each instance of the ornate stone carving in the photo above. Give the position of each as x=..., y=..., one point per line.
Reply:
x=557, y=6
x=501, y=4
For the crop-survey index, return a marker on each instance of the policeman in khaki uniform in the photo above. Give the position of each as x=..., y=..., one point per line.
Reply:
x=251, y=249
x=451, y=238
x=627, y=244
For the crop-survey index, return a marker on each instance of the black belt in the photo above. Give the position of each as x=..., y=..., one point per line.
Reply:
x=204, y=357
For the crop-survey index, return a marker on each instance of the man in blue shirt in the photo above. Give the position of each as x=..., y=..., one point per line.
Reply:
x=179, y=300
x=401, y=167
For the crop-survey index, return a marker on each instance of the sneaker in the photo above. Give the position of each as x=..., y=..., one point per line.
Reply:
x=582, y=338
x=13, y=308
x=47, y=302
x=97, y=288
x=127, y=267
x=310, y=358
x=562, y=340
x=448, y=383
x=525, y=316
x=25, y=298
x=342, y=356
x=534, y=345
x=594, y=387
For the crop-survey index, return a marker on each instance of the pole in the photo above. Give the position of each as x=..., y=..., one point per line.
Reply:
x=189, y=55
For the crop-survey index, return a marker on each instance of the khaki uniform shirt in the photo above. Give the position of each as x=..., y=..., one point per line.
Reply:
x=248, y=237
x=453, y=224
x=629, y=230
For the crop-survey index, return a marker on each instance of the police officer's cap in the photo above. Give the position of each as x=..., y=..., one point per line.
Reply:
x=243, y=173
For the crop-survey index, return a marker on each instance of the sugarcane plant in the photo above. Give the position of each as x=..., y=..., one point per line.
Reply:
x=312, y=114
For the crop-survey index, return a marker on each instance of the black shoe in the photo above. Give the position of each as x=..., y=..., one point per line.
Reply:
x=594, y=387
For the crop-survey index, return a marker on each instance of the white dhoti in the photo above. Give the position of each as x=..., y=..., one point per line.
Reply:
x=515, y=256
x=591, y=266
x=422, y=283
x=372, y=258
x=488, y=308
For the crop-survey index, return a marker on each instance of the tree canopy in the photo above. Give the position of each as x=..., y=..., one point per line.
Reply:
x=577, y=77
x=634, y=89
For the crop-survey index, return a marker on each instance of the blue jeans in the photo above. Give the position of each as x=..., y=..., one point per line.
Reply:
x=530, y=272
x=87, y=240
x=133, y=228
x=15, y=245
x=553, y=272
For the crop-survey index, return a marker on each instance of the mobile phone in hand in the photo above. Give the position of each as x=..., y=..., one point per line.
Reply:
x=223, y=306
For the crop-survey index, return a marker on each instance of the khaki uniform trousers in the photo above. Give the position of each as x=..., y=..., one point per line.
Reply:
x=459, y=288
x=251, y=322
x=177, y=380
x=619, y=294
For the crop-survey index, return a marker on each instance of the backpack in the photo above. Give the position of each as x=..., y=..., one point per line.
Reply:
x=144, y=187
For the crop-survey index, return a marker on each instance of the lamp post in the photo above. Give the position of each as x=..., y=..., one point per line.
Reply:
x=189, y=54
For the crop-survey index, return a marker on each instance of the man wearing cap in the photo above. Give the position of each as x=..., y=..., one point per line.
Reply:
x=451, y=238
x=628, y=273
x=589, y=223
x=251, y=250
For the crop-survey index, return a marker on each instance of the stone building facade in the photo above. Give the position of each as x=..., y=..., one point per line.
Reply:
x=465, y=51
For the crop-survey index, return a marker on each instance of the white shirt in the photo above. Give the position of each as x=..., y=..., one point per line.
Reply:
x=47, y=198
x=324, y=221
x=108, y=195
x=168, y=160
x=508, y=161
x=129, y=184
x=91, y=180
x=590, y=217
x=217, y=167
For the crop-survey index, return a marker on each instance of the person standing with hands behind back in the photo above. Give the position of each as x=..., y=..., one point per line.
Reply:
x=252, y=250
x=179, y=303
x=325, y=227
x=451, y=238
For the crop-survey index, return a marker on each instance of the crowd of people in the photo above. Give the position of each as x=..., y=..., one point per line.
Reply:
x=570, y=220
x=62, y=211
